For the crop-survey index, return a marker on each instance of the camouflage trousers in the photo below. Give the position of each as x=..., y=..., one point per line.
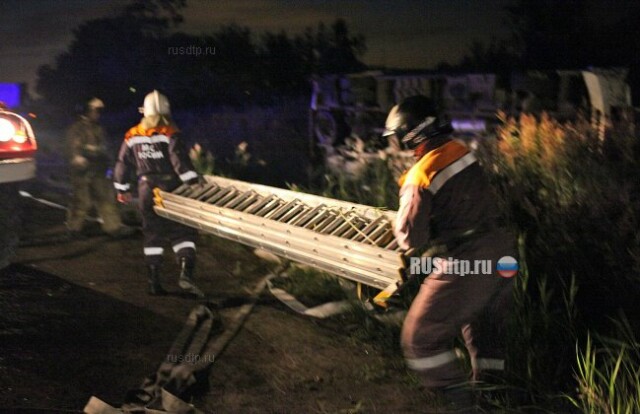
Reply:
x=93, y=191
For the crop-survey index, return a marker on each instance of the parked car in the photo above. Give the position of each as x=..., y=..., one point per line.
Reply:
x=17, y=164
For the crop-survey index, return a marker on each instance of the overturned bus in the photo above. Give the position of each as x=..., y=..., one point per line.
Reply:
x=347, y=112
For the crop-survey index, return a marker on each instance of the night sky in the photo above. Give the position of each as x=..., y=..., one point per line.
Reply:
x=400, y=33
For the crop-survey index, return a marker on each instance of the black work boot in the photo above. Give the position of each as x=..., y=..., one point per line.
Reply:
x=155, y=288
x=186, y=283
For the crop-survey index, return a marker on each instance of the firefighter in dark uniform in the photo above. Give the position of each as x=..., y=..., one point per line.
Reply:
x=446, y=201
x=89, y=161
x=154, y=153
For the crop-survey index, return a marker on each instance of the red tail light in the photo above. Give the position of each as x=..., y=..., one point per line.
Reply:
x=16, y=136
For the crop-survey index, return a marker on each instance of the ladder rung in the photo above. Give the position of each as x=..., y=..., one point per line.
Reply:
x=317, y=221
x=355, y=225
x=378, y=235
x=256, y=208
x=307, y=215
x=217, y=196
x=369, y=228
x=209, y=192
x=346, y=224
x=197, y=191
x=356, y=230
x=255, y=197
x=230, y=196
x=269, y=207
x=331, y=225
x=181, y=189
x=291, y=214
x=350, y=233
x=390, y=243
x=237, y=200
x=277, y=213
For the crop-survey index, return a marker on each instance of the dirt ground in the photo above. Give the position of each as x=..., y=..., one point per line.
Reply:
x=75, y=322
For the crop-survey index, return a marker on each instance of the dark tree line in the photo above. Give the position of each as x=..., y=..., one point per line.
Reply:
x=135, y=51
x=571, y=34
x=141, y=49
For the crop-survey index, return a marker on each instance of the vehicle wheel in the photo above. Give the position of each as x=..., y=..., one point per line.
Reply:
x=9, y=222
x=326, y=129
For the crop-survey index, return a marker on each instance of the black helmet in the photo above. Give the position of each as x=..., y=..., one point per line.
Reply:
x=415, y=120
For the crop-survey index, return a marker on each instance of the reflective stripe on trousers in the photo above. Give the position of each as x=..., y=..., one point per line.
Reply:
x=493, y=364
x=152, y=251
x=183, y=245
x=436, y=361
x=159, y=230
x=440, y=312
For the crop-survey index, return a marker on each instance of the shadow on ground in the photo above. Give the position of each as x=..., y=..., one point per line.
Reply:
x=72, y=341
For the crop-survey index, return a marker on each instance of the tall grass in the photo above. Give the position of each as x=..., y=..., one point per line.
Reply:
x=375, y=187
x=608, y=374
x=538, y=331
x=569, y=198
x=575, y=202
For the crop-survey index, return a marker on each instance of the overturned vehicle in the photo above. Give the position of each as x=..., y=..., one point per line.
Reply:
x=347, y=112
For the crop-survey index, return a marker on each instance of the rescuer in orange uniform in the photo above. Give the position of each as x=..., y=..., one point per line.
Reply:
x=446, y=200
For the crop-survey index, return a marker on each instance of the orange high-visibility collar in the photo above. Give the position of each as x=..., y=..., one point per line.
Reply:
x=426, y=168
x=139, y=131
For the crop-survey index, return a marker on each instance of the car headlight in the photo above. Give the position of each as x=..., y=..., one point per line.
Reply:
x=7, y=130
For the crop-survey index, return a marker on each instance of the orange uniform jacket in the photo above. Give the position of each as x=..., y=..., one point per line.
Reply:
x=443, y=196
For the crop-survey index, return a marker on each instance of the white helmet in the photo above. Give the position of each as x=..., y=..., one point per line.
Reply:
x=155, y=103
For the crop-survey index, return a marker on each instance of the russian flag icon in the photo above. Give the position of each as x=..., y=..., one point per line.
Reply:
x=507, y=266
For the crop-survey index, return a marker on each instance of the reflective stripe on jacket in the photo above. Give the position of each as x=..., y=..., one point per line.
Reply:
x=443, y=195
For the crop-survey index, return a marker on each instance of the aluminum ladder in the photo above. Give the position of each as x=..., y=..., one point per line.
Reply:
x=353, y=241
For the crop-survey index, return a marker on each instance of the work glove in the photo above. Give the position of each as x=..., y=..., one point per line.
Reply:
x=79, y=163
x=124, y=198
x=199, y=180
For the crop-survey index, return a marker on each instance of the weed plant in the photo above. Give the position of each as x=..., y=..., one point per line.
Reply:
x=608, y=373
x=575, y=203
x=375, y=187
